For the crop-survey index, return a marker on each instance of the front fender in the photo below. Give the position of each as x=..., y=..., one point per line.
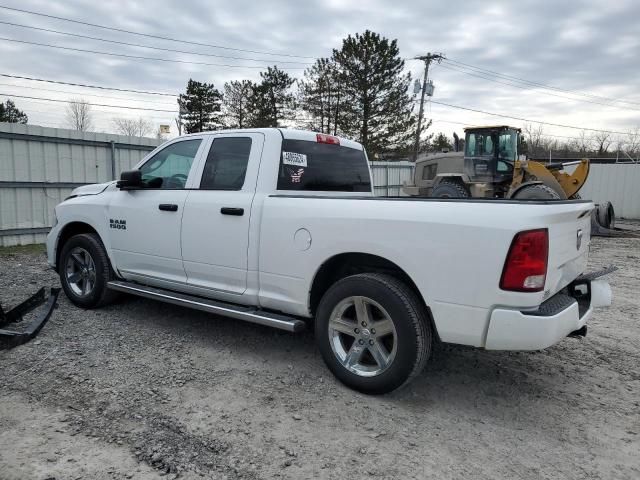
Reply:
x=76, y=217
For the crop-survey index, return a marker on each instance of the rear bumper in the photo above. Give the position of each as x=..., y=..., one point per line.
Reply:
x=555, y=319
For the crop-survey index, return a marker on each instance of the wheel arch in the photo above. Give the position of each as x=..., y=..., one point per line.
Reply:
x=351, y=263
x=457, y=177
x=69, y=230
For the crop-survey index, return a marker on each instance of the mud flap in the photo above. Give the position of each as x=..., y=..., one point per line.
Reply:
x=10, y=338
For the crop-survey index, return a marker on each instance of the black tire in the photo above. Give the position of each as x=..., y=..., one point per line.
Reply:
x=450, y=189
x=412, y=334
x=606, y=215
x=537, y=191
x=99, y=295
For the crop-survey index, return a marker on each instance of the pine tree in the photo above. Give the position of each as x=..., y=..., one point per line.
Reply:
x=236, y=105
x=320, y=96
x=271, y=100
x=10, y=114
x=378, y=108
x=441, y=142
x=202, y=104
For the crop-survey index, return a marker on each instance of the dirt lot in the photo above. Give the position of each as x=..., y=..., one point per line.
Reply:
x=142, y=390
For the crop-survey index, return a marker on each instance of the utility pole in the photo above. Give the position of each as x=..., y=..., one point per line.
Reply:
x=427, y=59
x=178, y=120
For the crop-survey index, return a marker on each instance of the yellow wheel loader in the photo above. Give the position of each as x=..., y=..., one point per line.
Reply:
x=491, y=167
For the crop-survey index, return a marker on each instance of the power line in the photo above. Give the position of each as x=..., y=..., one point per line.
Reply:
x=82, y=94
x=147, y=46
x=455, y=68
x=88, y=103
x=158, y=37
x=437, y=120
x=87, y=86
x=139, y=57
x=542, y=85
x=526, y=119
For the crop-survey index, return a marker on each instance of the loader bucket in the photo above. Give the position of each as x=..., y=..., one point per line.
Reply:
x=10, y=338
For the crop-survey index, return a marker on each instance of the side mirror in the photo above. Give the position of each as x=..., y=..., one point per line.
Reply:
x=130, y=179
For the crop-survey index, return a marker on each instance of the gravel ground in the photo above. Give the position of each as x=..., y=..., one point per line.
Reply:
x=146, y=390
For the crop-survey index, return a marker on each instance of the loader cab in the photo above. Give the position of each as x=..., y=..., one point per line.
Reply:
x=490, y=153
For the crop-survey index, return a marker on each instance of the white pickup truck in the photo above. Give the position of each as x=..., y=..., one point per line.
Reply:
x=279, y=227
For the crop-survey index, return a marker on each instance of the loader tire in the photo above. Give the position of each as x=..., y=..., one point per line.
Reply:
x=450, y=189
x=85, y=270
x=537, y=191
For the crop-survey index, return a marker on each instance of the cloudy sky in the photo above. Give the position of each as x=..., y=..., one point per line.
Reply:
x=588, y=52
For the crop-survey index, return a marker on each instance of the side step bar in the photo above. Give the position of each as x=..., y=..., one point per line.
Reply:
x=239, y=312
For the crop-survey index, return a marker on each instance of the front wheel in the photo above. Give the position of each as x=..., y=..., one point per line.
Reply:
x=449, y=188
x=536, y=191
x=85, y=270
x=372, y=332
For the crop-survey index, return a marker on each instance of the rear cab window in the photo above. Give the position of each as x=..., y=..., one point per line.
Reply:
x=322, y=167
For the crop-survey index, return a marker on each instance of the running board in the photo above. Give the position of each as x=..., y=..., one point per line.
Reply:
x=239, y=312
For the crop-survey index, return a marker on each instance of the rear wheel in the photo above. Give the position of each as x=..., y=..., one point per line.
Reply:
x=85, y=270
x=450, y=189
x=536, y=191
x=372, y=332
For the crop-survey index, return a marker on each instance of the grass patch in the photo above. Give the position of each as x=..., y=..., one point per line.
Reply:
x=33, y=249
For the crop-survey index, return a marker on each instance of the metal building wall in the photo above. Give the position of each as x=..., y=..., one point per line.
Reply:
x=39, y=167
x=617, y=183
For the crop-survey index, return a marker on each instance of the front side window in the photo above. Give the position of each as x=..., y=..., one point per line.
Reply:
x=169, y=168
x=507, y=145
x=322, y=167
x=226, y=164
x=479, y=145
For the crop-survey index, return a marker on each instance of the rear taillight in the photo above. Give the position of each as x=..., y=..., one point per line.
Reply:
x=525, y=269
x=330, y=139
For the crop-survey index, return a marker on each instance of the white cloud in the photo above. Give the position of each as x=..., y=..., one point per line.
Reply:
x=573, y=45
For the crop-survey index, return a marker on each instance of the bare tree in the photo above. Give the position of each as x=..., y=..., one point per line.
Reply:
x=602, y=141
x=582, y=144
x=631, y=144
x=132, y=127
x=534, y=137
x=79, y=116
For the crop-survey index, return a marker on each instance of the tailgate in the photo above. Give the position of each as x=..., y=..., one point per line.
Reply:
x=569, y=238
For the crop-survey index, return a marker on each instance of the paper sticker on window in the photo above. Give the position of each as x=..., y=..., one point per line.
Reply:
x=295, y=159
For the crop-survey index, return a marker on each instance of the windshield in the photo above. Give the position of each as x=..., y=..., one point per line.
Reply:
x=484, y=144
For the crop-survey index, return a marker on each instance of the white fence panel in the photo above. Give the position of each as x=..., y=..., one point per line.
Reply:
x=617, y=183
x=388, y=177
x=37, y=173
x=39, y=167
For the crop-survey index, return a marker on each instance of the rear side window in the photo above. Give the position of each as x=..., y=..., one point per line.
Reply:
x=226, y=164
x=322, y=167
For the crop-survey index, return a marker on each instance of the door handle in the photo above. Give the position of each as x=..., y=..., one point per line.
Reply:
x=238, y=212
x=168, y=207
